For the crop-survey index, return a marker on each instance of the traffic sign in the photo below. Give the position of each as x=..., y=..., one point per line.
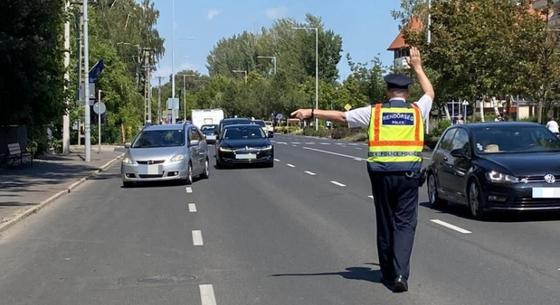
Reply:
x=347, y=107
x=99, y=108
x=173, y=103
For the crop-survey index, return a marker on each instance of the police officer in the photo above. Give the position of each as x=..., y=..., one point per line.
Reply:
x=396, y=138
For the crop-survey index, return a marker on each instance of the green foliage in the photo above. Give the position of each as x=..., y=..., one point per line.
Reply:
x=321, y=132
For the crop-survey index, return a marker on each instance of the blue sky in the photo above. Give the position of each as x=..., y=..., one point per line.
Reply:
x=366, y=26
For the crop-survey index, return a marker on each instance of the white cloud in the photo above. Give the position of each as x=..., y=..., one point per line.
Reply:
x=213, y=13
x=276, y=12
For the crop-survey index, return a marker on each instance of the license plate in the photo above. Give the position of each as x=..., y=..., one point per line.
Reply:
x=151, y=169
x=245, y=157
x=546, y=192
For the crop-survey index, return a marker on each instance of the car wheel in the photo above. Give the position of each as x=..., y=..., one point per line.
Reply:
x=433, y=195
x=476, y=203
x=127, y=184
x=206, y=173
x=189, y=179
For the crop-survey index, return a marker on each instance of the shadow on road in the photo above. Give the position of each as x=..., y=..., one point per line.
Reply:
x=350, y=273
x=498, y=217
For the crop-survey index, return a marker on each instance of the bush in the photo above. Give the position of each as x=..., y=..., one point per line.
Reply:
x=322, y=132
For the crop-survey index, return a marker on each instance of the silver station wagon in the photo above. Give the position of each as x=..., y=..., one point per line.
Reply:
x=166, y=152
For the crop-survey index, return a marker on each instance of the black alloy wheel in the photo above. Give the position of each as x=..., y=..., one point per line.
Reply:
x=433, y=196
x=206, y=173
x=475, y=200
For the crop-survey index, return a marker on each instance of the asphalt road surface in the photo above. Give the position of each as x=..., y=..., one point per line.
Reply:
x=302, y=232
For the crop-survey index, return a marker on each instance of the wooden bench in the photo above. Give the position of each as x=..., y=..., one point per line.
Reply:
x=15, y=153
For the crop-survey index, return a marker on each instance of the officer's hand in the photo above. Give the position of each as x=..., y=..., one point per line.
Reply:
x=301, y=114
x=415, y=60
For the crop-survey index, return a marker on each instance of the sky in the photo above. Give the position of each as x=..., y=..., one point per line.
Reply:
x=366, y=27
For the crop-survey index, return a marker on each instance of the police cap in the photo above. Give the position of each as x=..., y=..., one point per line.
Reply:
x=397, y=81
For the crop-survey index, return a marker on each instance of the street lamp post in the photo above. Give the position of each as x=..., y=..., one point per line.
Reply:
x=241, y=71
x=273, y=61
x=87, y=122
x=173, y=115
x=316, y=67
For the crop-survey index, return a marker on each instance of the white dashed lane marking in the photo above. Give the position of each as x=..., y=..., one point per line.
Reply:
x=197, y=238
x=277, y=160
x=324, y=143
x=450, y=226
x=310, y=173
x=188, y=189
x=370, y=196
x=338, y=183
x=290, y=165
x=192, y=208
x=207, y=296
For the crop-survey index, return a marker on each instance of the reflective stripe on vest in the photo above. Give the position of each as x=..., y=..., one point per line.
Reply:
x=396, y=139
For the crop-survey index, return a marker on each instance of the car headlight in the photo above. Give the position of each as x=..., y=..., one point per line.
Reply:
x=225, y=149
x=177, y=157
x=128, y=160
x=269, y=147
x=497, y=177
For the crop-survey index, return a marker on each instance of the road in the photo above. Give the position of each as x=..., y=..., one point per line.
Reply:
x=302, y=232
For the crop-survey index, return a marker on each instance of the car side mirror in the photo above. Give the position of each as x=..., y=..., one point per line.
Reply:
x=459, y=153
x=194, y=142
x=127, y=145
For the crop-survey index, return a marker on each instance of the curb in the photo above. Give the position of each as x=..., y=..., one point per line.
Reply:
x=46, y=202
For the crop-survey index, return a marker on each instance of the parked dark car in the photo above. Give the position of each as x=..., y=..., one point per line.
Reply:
x=244, y=144
x=496, y=167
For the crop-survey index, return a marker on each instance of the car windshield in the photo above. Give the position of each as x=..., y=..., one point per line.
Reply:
x=244, y=132
x=208, y=130
x=236, y=121
x=159, y=138
x=514, y=139
x=260, y=123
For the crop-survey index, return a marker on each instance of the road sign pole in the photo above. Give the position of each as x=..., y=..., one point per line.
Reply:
x=99, y=121
x=87, y=127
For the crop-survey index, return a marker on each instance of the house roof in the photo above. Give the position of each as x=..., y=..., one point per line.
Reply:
x=415, y=24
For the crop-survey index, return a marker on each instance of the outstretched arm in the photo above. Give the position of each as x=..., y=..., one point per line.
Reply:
x=329, y=115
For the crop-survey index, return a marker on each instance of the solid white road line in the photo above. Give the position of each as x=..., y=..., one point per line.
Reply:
x=296, y=143
x=324, y=143
x=197, y=238
x=450, y=226
x=334, y=153
x=207, y=294
x=310, y=173
x=277, y=160
x=192, y=208
x=310, y=143
x=338, y=183
x=188, y=189
x=290, y=165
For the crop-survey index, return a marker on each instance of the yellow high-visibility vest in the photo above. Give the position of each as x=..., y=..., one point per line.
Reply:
x=396, y=139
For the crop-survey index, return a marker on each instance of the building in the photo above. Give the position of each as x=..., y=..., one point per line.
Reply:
x=554, y=18
x=400, y=48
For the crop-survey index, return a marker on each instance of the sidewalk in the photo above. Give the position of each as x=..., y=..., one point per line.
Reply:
x=25, y=189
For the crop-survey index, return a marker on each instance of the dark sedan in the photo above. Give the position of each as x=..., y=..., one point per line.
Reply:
x=496, y=167
x=244, y=144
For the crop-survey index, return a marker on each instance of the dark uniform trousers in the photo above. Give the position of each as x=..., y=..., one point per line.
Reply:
x=396, y=210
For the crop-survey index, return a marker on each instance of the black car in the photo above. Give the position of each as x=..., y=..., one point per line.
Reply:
x=496, y=167
x=231, y=121
x=244, y=144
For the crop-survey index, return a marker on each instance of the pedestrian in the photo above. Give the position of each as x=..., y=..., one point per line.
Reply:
x=396, y=139
x=552, y=125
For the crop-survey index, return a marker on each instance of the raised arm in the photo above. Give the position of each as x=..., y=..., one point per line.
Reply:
x=415, y=63
x=329, y=115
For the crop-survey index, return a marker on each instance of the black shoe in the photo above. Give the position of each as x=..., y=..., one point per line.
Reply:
x=400, y=285
x=387, y=282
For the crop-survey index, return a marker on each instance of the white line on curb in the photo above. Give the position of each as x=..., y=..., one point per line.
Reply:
x=310, y=173
x=450, y=226
x=197, y=238
x=334, y=153
x=188, y=189
x=207, y=294
x=290, y=165
x=192, y=208
x=338, y=183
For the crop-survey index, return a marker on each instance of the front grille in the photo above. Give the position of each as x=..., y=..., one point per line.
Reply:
x=151, y=162
x=537, y=178
x=536, y=202
x=150, y=176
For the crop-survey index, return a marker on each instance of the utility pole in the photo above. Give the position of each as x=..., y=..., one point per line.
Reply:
x=184, y=99
x=87, y=125
x=173, y=113
x=66, y=116
x=159, y=99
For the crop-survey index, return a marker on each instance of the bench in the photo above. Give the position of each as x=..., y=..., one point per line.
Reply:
x=15, y=153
